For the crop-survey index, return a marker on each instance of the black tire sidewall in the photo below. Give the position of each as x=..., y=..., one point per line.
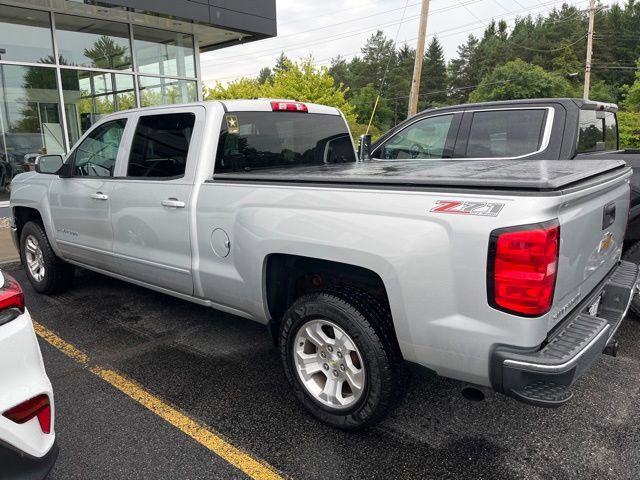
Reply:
x=48, y=282
x=367, y=409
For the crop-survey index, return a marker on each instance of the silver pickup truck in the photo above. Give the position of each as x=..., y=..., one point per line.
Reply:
x=499, y=274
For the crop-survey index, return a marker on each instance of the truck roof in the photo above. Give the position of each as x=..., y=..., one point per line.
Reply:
x=566, y=102
x=243, y=105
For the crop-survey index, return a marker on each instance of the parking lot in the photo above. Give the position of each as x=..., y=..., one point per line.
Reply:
x=223, y=374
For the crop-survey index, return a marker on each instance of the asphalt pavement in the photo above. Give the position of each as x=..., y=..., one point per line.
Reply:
x=224, y=372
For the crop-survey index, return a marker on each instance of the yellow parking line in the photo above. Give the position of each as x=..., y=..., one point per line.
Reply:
x=205, y=436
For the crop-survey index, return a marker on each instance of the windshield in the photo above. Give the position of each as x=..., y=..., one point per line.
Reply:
x=264, y=140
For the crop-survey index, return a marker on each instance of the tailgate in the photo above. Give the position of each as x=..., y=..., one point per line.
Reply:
x=593, y=222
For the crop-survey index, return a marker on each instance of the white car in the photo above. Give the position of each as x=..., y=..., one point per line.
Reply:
x=27, y=438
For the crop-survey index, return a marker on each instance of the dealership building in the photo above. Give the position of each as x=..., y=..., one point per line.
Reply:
x=64, y=64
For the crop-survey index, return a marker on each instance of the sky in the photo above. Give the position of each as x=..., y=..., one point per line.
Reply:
x=328, y=28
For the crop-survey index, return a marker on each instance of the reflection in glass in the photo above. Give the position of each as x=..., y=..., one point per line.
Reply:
x=29, y=120
x=165, y=91
x=25, y=36
x=164, y=53
x=87, y=42
x=89, y=96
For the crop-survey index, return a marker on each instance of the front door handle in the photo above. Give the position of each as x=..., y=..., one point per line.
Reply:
x=173, y=203
x=99, y=196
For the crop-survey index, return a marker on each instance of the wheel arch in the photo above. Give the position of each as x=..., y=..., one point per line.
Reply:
x=287, y=277
x=23, y=215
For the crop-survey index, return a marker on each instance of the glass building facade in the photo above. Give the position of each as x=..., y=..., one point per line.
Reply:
x=64, y=64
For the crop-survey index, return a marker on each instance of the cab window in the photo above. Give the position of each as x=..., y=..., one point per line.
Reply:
x=97, y=153
x=161, y=145
x=506, y=133
x=423, y=139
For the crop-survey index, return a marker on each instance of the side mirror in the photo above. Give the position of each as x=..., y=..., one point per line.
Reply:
x=364, y=150
x=49, y=164
x=66, y=171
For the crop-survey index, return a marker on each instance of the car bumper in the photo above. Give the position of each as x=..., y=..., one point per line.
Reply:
x=18, y=465
x=22, y=377
x=542, y=376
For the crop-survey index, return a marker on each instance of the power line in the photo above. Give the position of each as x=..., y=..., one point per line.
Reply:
x=454, y=31
x=338, y=36
x=386, y=70
x=523, y=46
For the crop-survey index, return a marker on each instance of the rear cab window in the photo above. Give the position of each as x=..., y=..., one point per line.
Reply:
x=506, y=133
x=597, y=131
x=268, y=140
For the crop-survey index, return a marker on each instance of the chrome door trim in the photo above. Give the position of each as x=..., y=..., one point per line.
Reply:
x=546, y=135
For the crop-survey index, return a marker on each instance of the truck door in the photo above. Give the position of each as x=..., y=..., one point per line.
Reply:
x=80, y=205
x=152, y=199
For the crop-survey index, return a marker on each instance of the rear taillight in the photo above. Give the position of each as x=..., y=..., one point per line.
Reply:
x=288, y=107
x=522, y=268
x=36, y=407
x=11, y=299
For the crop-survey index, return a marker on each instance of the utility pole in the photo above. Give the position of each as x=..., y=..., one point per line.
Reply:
x=417, y=66
x=587, y=67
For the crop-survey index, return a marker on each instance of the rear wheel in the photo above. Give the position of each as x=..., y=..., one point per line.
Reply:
x=45, y=270
x=632, y=254
x=340, y=357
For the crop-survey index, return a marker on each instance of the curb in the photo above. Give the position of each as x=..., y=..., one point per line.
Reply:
x=10, y=264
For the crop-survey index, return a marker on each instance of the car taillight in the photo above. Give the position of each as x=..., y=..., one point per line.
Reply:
x=11, y=299
x=36, y=407
x=288, y=107
x=522, y=268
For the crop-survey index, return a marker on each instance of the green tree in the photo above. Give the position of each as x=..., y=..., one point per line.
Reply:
x=265, y=76
x=629, y=126
x=600, y=91
x=364, y=102
x=301, y=81
x=462, y=71
x=518, y=79
x=242, y=88
x=282, y=63
x=433, y=84
x=305, y=82
x=632, y=98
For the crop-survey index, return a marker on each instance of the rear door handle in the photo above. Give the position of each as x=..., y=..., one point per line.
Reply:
x=173, y=203
x=99, y=196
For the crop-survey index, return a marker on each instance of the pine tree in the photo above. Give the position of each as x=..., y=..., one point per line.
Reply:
x=462, y=71
x=433, y=84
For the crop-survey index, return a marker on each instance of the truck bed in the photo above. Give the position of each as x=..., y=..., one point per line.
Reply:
x=534, y=175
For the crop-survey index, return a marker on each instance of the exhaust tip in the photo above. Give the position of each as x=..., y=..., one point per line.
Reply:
x=472, y=394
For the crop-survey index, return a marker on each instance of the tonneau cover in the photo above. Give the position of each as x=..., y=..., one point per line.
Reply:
x=542, y=175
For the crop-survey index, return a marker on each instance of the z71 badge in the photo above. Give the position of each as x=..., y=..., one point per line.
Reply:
x=483, y=209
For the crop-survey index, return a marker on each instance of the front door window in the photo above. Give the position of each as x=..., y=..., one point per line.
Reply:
x=97, y=154
x=424, y=139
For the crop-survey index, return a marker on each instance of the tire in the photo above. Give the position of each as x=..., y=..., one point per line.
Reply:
x=369, y=330
x=632, y=254
x=49, y=274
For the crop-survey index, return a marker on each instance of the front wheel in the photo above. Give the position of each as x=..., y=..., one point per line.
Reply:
x=47, y=273
x=341, y=357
